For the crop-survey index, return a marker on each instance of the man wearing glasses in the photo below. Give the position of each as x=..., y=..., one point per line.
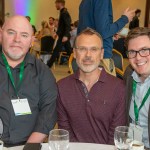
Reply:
x=91, y=102
x=137, y=77
x=98, y=15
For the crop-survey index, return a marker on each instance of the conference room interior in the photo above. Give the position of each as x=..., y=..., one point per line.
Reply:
x=41, y=10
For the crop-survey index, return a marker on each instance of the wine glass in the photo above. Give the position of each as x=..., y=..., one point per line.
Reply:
x=123, y=137
x=59, y=139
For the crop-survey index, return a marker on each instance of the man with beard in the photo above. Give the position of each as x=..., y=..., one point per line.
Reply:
x=90, y=102
x=28, y=90
x=98, y=15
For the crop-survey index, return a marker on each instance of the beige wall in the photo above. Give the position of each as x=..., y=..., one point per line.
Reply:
x=45, y=8
x=73, y=7
x=120, y=5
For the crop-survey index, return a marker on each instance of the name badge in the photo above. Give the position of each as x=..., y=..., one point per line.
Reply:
x=138, y=132
x=21, y=107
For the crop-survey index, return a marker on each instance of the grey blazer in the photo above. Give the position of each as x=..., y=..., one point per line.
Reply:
x=128, y=80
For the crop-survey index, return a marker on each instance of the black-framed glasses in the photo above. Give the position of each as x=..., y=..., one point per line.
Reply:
x=83, y=49
x=143, y=53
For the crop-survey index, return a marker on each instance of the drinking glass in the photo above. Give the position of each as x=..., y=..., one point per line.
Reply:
x=58, y=139
x=123, y=137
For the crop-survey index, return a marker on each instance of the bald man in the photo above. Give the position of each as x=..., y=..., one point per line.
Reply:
x=27, y=87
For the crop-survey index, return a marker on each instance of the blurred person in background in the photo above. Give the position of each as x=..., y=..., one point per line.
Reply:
x=33, y=26
x=51, y=24
x=47, y=41
x=63, y=32
x=73, y=33
x=56, y=21
x=135, y=21
x=45, y=31
x=119, y=43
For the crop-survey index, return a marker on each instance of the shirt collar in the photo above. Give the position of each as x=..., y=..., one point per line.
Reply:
x=137, y=78
x=102, y=78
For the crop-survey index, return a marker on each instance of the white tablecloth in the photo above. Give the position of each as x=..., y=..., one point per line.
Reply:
x=74, y=146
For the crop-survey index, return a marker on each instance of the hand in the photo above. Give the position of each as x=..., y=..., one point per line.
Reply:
x=36, y=137
x=64, y=39
x=116, y=36
x=55, y=36
x=129, y=13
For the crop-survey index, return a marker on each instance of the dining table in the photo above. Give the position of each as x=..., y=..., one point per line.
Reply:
x=73, y=146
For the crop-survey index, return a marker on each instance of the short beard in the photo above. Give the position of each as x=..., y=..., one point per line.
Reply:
x=87, y=69
x=14, y=57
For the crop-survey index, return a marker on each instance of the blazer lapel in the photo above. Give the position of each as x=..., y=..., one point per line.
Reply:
x=128, y=95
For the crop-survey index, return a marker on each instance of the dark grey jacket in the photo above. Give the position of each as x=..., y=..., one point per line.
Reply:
x=129, y=79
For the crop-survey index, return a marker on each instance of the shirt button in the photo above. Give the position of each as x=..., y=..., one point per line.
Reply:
x=88, y=100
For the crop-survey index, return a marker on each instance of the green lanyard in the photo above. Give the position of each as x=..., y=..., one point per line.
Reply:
x=136, y=109
x=11, y=76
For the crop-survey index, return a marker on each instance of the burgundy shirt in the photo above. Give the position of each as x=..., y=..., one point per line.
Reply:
x=91, y=117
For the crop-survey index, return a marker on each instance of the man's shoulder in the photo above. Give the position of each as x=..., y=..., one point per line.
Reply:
x=115, y=87
x=113, y=80
x=38, y=65
x=128, y=72
x=112, y=83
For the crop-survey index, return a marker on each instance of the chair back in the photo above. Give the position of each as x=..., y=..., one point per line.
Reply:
x=73, y=67
x=118, y=61
x=47, y=43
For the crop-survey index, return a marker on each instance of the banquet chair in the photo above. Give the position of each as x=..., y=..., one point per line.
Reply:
x=70, y=63
x=61, y=55
x=35, y=49
x=118, y=61
x=73, y=67
x=47, y=43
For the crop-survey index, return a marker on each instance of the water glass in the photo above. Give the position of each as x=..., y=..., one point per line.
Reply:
x=123, y=137
x=137, y=145
x=1, y=145
x=58, y=139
